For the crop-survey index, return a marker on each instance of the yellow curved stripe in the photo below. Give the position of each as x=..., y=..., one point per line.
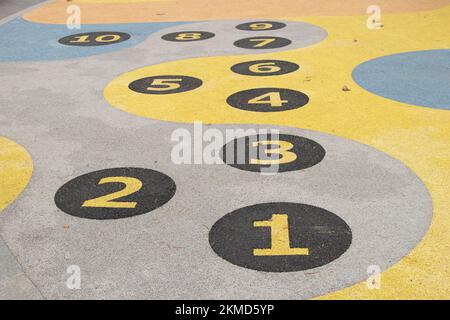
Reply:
x=122, y=11
x=419, y=137
x=16, y=168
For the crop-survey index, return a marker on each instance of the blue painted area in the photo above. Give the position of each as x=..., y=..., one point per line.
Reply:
x=419, y=78
x=21, y=40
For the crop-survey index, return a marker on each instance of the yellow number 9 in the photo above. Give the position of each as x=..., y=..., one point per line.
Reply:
x=261, y=26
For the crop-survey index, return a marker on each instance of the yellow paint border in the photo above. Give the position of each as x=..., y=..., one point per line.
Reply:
x=417, y=136
x=16, y=168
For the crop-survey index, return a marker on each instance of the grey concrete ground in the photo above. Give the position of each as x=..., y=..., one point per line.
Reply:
x=9, y=7
x=57, y=112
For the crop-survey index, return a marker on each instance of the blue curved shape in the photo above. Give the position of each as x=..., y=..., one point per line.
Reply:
x=21, y=40
x=420, y=78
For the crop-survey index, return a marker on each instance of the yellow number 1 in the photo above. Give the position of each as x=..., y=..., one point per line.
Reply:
x=281, y=246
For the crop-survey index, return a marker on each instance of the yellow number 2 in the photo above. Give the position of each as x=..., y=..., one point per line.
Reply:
x=281, y=246
x=132, y=185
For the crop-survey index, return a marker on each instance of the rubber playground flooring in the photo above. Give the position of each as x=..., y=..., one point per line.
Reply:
x=106, y=129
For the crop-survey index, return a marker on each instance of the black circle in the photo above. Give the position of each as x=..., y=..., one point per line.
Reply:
x=308, y=153
x=326, y=236
x=257, y=43
x=291, y=100
x=156, y=190
x=266, y=68
x=181, y=83
x=248, y=26
x=92, y=38
x=178, y=36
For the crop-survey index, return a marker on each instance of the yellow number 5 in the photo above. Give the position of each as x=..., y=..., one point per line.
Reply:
x=132, y=185
x=169, y=84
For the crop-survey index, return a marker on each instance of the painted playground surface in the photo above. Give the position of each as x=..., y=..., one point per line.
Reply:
x=105, y=189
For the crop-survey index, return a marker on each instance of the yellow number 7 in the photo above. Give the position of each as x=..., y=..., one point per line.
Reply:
x=262, y=42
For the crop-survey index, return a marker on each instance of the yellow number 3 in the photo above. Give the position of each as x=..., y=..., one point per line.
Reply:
x=132, y=185
x=287, y=156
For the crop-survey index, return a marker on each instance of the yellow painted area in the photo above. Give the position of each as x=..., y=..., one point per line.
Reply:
x=122, y=11
x=16, y=168
x=119, y=1
x=417, y=136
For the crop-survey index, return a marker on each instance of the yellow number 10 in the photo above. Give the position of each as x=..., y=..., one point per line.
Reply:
x=279, y=228
x=103, y=38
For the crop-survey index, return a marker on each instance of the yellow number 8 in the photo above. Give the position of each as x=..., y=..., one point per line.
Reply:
x=189, y=36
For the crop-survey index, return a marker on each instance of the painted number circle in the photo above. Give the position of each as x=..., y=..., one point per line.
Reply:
x=261, y=26
x=94, y=38
x=272, y=153
x=263, y=68
x=115, y=193
x=165, y=84
x=188, y=36
x=280, y=237
x=262, y=43
x=268, y=100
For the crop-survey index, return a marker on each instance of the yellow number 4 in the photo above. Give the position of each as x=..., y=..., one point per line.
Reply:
x=272, y=98
x=279, y=227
